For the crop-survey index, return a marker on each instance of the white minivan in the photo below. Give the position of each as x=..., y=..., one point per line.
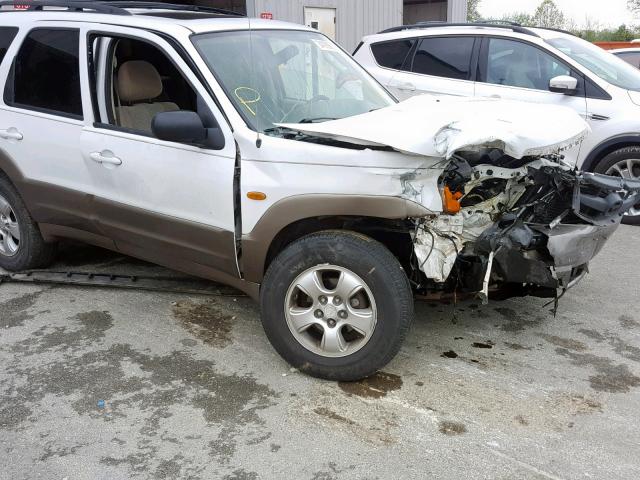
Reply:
x=261, y=155
x=509, y=61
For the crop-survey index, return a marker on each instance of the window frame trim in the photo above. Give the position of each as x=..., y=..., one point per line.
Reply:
x=9, y=81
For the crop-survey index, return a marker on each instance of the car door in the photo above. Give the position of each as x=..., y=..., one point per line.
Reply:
x=41, y=121
x=170, y=202
x=438, y=65
x=514, y=69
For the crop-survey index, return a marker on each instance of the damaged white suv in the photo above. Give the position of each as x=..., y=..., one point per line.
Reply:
x=260, y=155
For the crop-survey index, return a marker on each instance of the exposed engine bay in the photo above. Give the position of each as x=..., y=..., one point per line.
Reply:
x=515, y=227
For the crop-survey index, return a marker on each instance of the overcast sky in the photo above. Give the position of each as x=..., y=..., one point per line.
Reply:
x=607, y=12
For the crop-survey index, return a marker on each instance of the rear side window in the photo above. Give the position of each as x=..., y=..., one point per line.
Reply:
x=46, y=73
x=448, y=57
x=393, y=54
x=7, y=34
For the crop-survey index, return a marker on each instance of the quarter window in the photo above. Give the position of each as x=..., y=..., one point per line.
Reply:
x=518, y=64
x=7, y=34
x=448, y=57
x=393, y=54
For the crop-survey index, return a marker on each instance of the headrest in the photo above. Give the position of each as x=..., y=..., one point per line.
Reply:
x=138, y=80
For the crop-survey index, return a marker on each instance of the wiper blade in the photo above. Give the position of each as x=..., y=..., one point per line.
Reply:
x=317, y=120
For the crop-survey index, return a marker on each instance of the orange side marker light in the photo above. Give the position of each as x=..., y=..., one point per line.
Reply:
x=256, y=196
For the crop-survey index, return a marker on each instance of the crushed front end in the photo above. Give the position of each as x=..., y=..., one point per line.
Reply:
x=514, y=227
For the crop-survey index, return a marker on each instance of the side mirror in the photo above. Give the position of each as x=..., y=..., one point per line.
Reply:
x=181, y=126
x=563, y=84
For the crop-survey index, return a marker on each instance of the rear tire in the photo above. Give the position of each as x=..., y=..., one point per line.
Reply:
x=21, y=244
x=305, y=287
x=624, y=162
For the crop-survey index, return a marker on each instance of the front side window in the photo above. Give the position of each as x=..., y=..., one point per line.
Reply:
x=518, y=64
x=393, y=54
x=46, y=73
x=288, y=76
x=605, y=65
x=133, y=81
x=448, y=57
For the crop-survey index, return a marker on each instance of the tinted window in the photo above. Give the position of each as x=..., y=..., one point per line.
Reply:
x=392, y=54
x=46, y=73
x=448, y=57
x=518, y=64
x=633, y=58
x=7, y=34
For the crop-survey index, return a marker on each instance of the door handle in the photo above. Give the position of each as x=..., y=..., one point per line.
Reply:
x=11, y=134
x=105, y=156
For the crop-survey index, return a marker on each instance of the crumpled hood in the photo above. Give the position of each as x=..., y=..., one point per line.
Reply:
x=440, y=126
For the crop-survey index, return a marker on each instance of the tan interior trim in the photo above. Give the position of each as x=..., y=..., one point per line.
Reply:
x=255, y=245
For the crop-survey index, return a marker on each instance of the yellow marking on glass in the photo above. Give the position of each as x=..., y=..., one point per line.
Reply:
x=247, y=101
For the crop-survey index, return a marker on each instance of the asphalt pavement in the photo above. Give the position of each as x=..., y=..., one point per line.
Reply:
x=99, y=383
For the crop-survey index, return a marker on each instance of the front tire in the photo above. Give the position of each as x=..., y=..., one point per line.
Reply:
x=624, y=162
x=336, y=305
x=21, y=244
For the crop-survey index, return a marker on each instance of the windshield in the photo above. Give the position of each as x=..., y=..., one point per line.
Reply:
x=286, y=76
x=605, y=65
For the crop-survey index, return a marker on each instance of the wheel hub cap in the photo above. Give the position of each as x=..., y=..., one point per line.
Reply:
x=330, y=310
x=9, y=229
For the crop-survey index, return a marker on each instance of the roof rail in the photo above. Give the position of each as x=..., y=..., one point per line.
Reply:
x=70, y=5
x=170, y=6
x=515, y=28
x=112, y=7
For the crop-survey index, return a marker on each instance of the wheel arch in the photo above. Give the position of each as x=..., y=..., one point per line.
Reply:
x=608, y=146
x=379, y=217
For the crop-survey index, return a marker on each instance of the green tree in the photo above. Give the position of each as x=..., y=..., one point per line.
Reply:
x=473, y=13
x=634, y=5
x=549, y=15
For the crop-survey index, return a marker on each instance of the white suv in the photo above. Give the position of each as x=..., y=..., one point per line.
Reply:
x=261, y=155
x=528, y=64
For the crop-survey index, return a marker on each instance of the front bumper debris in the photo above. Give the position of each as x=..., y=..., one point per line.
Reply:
x=529, y=228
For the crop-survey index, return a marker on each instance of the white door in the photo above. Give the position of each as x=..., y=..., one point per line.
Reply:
x=517, y=70
x=440, y=65
x=41, y=121
x=166, y=201
x=322, y=19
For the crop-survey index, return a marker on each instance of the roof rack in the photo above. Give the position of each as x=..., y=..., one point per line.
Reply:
x=112, y=7
x=515, y=28
x=70, y=5
x=171, y=6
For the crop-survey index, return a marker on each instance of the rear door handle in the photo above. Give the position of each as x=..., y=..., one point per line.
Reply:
x=105, y=156
x=11, y=134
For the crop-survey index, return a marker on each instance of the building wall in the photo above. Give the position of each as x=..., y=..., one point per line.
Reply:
x=424, y=12
x=357, y=18
x=354, y=18
x=457, y=11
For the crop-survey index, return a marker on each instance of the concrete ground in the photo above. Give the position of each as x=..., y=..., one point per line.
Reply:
x=114, y=384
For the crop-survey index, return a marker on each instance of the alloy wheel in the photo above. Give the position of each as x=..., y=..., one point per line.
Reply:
x=9, y=229
x=629, y=168
x=330, y=311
